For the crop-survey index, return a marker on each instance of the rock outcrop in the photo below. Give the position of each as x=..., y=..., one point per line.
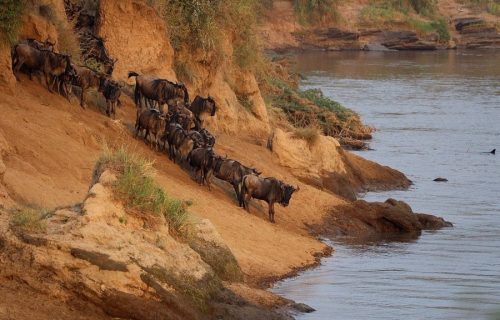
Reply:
x=324, y=164
x=475, y=32
x=372, y=220
x=125, y=263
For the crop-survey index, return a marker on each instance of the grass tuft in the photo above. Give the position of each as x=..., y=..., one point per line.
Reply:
x=316, y=11
x=309, y=134
x=137, y=189
x=30, y=219
x=10, y=19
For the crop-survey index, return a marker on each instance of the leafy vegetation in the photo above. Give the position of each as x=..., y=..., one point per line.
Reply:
x=314, y=11
x=310, y=112
x=137, y=188
x=383, y=13
x=30, y=219
x=201, y=24
x=309, y=134
x=10, y=19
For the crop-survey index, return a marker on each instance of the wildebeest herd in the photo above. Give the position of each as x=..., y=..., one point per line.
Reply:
x=179, y=130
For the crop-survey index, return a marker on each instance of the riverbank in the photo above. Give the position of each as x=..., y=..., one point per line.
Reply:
x=372, y=26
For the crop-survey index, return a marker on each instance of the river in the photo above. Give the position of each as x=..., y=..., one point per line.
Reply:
x=437, y=115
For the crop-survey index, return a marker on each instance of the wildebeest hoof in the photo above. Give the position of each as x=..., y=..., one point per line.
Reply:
x=441, y=179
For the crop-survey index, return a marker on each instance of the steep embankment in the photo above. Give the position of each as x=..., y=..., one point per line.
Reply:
x=381, y=25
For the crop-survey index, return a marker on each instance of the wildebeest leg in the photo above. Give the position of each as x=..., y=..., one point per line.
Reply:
x=108, y=108
x=113, y=108
x=237, y=192
x=246, y=201
x=47, y=81
x=17, y=66
x=81, y=98
x=271, y=212
x=208, y=177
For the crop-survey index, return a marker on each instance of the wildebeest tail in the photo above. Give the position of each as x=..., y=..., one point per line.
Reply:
x=13, y=54
x=132, y=74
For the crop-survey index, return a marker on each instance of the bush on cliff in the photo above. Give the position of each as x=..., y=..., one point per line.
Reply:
x=10, y=19
x=137, y=188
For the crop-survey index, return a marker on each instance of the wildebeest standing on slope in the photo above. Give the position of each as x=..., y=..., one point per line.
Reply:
x=201, y=107
x=86, y=78
x=233, y=172
x=158, y=90
x=203, y=161
x=50, y=63
x=111, y=90
x=154, y=123
x=270, y=190
x=179, y=142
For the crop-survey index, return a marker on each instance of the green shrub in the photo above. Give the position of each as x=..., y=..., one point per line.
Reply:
x=441, y=27
x=314, y=11
x=317, y=97
x=10, y=19
x=494, y=8
x=309, y=134
x=137, y=188
x=30, y=218
x=425, y=7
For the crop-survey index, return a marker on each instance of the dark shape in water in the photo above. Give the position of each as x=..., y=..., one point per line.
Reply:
x=493, y=151
x=302, y=307
x=441, y=179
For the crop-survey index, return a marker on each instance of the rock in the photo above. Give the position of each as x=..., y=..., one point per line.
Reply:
x=406, y=40
x=461, y=23
x=302, y=307
x=430, y=222
x=337, y=34
x=391, y=218
x=375, y=47
x=439, y=179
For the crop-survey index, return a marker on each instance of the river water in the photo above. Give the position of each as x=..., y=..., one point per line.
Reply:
x=436, y=113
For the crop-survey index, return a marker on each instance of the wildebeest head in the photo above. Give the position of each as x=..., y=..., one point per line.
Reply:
x=255, y=171
x=211, y=104
x=287, y=191
x=182, y=87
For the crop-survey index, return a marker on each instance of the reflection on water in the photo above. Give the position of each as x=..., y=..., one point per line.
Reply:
x=435, y=114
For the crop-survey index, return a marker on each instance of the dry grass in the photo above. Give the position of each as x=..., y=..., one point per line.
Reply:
x=30, y=219
x=137, y=188
x=309, y=134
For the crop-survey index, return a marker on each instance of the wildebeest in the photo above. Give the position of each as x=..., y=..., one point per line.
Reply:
x=86, y=78
x=46, y=45
x=270, y=190
x=111, y=90
x=159, y=90
x=154, y=123
x=208, y=138
x=203, y=160
x=179, y=142
x=198, y=141
x=201, y=107
x=51, y=64
x=233, y=172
